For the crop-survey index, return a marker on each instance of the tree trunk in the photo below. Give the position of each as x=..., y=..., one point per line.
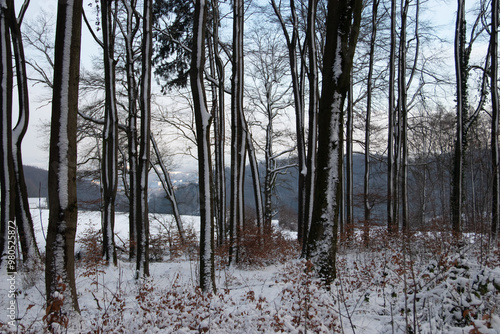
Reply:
x=313, y=122
x=142, y=267
x=257, y=189
x=299, y=112
x=60, y=247
x=169, y=189
x=6, y=172
x=494, y=120
x=366, y=178
x=203, y=118
x=238, y=134
x=343, y=23
x=402, y=101
x=461, y=81
x=219, y=126
x=132, y=125
x=24, y=221
x=392, y=224
x=110, y=136
x=349, y=221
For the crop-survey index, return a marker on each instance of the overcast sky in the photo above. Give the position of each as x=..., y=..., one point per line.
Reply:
x=36, y=139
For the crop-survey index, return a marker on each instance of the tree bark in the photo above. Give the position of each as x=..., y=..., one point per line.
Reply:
x=392, y=223
x=238, y=135
x=132, y=140
x=369, y=92
x=313, y=121
x=494, y=120
x=219, y=127
x=63, y=210
x=24, y=221
x=298, y=97
x=142, y=267
x=203, y=119
x=6, y=172
x=343, y=23
x=461, y=82
x=402, y=101
x=169, y=189
x=110, y=136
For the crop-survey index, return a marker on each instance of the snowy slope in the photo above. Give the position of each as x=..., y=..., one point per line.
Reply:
x=429, y=288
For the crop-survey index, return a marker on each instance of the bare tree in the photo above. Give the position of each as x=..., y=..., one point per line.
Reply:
x=392, y=146
x=238, y=134
x=203, y=118
x=343, y=22
x=312, y=136
x=142, y=227
x=6, y=172
x=296, y=54
x=166, y=183
x=368, y=126
x=110, y=133
x=268, y=100
x=23, y=216
x=495, y=211
x=129, y=33
x=59, y=265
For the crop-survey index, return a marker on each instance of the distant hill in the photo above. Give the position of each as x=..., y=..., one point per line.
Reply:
x=285, y=200
x=36, y=181
x=88, y=193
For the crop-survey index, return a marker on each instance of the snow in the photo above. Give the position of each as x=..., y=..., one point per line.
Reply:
x=63, y=141
x=444, y=285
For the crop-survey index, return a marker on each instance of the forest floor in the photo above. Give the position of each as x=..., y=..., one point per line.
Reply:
x=422, y=283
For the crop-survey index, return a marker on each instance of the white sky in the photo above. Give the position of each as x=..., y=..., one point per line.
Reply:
x=36, y=140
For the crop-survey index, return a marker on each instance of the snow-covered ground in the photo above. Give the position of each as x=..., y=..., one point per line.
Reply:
x=428, y=287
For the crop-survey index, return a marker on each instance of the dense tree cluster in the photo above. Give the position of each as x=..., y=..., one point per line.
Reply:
x=308, y=84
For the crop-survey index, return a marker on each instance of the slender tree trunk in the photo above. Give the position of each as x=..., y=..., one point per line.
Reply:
x=6, y=172
x=169, y=189
x=342, y=31
x=494, y=120
x=142, y=267
x=391, y=165
x=219, y=126
x=203, y=118
x=132, y=125
x=110, y=135
x=402, y=101
x=349, y=222
x=313, y=118
x=238, y=139
x=369, y=92
x=299, y=111
x=60, y=246
x=457, y=182
x=24, y=221
x=257, y=189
